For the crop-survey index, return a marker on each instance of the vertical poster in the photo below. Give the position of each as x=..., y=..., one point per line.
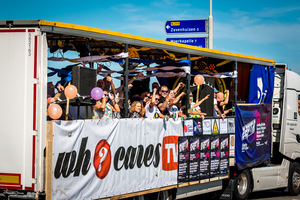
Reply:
x=197, y=124
x=224, y=154
x=214, y=156
x=204, y=157
x=253, y=134
x=183, y=159
x=188, y=127
x=215, y=126
x=223, y=126
x=231, y=125
x=231, y=145
x=194, y=158
x=206, y=125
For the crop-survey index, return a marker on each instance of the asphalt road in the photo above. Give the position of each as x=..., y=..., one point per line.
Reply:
x=265, y=195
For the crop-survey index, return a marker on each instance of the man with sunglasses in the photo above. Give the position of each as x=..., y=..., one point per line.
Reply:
x=164, y=102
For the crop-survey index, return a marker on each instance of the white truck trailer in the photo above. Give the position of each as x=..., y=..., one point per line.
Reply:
x=26, y=145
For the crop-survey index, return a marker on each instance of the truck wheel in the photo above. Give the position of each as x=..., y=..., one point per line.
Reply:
x=294, y=179
x=242, y=185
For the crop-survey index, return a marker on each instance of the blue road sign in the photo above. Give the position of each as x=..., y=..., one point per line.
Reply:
x=194, y=41
x=186, y=26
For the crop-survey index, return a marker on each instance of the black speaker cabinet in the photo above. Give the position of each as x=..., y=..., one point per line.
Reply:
x=208, y=88
x=85, y=80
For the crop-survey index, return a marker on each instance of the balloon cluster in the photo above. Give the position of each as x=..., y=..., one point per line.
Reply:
x=55, y=111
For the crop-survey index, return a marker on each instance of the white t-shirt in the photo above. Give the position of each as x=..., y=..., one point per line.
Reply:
x=151, y=112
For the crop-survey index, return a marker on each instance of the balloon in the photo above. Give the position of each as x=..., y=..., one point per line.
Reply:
x=71, y=91
x=199, y=79
x=96, y=93
x=54, y=111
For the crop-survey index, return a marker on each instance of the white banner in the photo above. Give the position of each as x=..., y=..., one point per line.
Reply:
x=102, y=158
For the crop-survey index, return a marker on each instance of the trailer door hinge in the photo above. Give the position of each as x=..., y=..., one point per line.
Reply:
x=33, y=180
x=35, y=132
x=35, y=81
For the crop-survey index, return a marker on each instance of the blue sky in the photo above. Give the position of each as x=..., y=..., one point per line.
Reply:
x=263, y=28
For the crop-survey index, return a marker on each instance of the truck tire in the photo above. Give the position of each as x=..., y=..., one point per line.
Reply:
x=294, y=179
x=242, y=185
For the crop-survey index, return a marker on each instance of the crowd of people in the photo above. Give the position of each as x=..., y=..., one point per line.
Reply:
x=160, y=103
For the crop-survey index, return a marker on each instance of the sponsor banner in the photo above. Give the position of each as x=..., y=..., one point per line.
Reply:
x=183, y=161
x=194, y=158
x=102, y=158
x=253, y=135
x=204, y=157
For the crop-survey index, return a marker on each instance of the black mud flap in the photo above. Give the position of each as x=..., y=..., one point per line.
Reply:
x=228, y=192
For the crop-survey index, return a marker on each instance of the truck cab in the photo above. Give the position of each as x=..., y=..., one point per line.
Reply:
x=282, y=169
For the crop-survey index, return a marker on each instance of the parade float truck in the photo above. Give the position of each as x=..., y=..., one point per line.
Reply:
x=254, y=148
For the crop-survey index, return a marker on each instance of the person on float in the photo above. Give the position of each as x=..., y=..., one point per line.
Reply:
x=164, y=102
x=195, y=110
x=151, y=109
x=219, y=102
x=136, y=110
x=104, y=108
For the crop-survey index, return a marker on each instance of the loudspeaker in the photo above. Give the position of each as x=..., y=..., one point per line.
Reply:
x=84, y=79
x=208, y=88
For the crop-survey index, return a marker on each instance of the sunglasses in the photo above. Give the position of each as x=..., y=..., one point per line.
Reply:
x=106, y=95
x=165, y=91
x=148, y=96
x=157, y=99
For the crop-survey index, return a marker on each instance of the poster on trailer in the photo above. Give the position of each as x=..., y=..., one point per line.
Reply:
x=204, y=157
x=224, y=154
x=214, y=156
x=194, y=158
x=253, y=134
x=183, y=161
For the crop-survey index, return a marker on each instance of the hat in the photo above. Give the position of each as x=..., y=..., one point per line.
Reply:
x=215, y=90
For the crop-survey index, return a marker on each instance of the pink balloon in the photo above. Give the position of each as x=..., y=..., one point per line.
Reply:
x=71, y=91
x=96, y=93
x=54, y=111
x=199, y=79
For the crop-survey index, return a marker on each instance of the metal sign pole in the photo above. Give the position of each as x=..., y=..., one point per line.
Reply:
x=210, y=26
